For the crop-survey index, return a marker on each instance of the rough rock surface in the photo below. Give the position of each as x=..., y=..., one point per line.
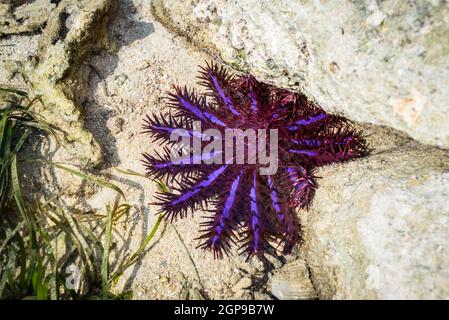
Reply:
x=17, y=17
x=378, y=62
x=73, y=29
x=379, y=226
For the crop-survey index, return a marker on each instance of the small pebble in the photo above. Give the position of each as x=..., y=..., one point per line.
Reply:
x=243, y=283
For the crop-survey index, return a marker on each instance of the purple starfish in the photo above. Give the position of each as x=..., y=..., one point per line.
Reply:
x=258, y=211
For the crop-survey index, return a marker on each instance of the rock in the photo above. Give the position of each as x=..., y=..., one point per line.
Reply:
x=292, y=282
x=244, y=295
x=73, y=29
x=261, y=296
x=382, y=64
x=243, y=283
x=26, y=18
x=277, y=262
x=184, y=294
x=195, y=294
x=256, y=264
x=379, y=226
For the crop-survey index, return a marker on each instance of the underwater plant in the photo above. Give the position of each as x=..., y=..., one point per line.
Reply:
x=256, y=210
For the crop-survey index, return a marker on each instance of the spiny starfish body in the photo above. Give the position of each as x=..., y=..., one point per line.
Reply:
x=258, y=211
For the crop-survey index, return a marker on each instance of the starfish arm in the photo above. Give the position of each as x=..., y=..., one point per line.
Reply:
x=335, y=145
x=217, y=80
x=182, y=167
x=193, y=192
x=162, y=128
x=300, y=184
x=308, y=121
x=289, y=233
x=258, y=233
x=188, y=104
x=219, y=229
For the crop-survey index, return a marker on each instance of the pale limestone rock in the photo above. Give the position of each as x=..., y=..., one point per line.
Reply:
x=57, y=73
x=379, y=226
x=377, y=62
